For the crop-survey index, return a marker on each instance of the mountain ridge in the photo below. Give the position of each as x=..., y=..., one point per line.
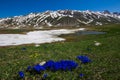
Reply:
x=60, y=18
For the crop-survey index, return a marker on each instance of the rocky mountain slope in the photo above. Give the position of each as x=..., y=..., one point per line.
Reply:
x=61, y=18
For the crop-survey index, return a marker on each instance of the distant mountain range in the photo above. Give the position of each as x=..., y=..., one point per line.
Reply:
x=61, y=18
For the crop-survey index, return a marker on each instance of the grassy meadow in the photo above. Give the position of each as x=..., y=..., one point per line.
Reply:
x=105, y=58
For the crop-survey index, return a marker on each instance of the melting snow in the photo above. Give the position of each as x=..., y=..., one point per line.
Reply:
x=98, y=23
x=48, y=23
x=36, y=37
x=118, y=16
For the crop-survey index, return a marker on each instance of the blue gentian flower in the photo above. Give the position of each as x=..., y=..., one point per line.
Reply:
x=68, y=65
x=60, y=65
x=45, y=76
x=81, y=75
x=49, y=64
x=84, y=59
x=21, y=74
x=38, y=68
x=28, y=68
x=23, y=48
x=63, y=65
x=56, y=66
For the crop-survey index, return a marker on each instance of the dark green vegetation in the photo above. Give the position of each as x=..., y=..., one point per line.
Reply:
x=13, y=31
x=105, y=58
x=23, y=31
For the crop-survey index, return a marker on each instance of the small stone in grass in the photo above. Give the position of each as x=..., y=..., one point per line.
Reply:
x=37, y=45
x=42, y=63
x=97, y=44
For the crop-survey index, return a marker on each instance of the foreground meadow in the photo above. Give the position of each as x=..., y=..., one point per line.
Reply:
x=105, y=57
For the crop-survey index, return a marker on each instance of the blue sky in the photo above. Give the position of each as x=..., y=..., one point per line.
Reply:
x=10, y=8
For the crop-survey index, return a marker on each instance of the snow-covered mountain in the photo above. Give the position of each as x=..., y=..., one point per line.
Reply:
x=61, y=18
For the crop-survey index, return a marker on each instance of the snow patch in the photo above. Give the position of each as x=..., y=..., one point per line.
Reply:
x=48, y=23
x=99, y=23
x=36, y=37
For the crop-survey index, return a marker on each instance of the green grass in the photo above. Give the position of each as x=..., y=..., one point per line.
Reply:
x=105, y=58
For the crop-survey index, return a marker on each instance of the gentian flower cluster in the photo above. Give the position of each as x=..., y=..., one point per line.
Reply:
x=38, y=68
x=84, y=59
x=60, y=65
x=63, y=65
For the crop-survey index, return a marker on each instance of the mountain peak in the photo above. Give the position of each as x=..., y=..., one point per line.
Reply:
x=106, y=12
x=61, y=18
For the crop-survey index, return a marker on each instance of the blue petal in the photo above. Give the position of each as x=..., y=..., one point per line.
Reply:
x=45, y=76
x=29, y=68
x=81, y=75
x=21, y=74
x=38, y=68
x=84, y=59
